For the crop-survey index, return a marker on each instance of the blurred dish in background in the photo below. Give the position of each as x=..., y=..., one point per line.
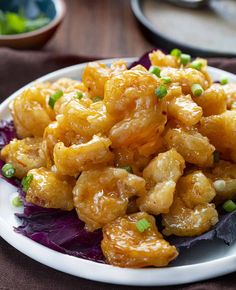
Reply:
x=29, y=23
x=210, y=31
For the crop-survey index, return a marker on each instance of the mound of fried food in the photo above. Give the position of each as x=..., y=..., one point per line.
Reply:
x=123, y=146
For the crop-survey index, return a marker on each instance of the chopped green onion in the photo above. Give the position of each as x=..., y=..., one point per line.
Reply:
x=16, y=201
x=224, y=81
x=127, y=168
x=142, y=225
x=97, y=99
x=161, y=92
x=79, y=95
x=8, y=170
x=155, y=70
x=197, y=90
x=26, y=182
x=166, y=80
x=229, y=206
x=185, y=58
x=176, y=52
x=216, y=156
x=219, y=185
x=55, y=97
x=196, y=64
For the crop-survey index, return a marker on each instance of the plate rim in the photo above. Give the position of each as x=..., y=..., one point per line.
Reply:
x=102, y=272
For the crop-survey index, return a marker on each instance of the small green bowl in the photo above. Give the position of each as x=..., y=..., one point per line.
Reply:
x=53, y=9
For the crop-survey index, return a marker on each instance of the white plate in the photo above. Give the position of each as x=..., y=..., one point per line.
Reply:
x=205, y=260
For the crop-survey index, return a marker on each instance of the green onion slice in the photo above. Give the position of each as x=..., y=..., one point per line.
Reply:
x=8, y=170
x=196, y=64
x=229, y=206
x=55, y=97
x=166, y=80
x=127, y=168
x=216, y=156
x=155, y=70
x=176, y=52
x=26, y=182
x=224, y=81
x=79, y=95
x=97, y=99
x=197, y=90
x=142, y=225
x=16, y=201
x=161, y=92
x=185, y=58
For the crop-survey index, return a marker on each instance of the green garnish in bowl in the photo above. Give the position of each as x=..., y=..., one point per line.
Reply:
x=16, y=23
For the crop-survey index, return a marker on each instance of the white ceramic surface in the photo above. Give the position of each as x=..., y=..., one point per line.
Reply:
x=205, y=260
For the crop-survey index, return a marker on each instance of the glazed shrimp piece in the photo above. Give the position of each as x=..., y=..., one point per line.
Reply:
x=212, y=101
x=194, y=147
x=130, y=90
x=94, y=77
x=223, y=176
x=138, y=129
x=31, y=113
x=158, y=58
x=161, y=176
x=77, y=158
x=220, y=129
x=230, y=91
x=24, y=155
x=50, y=190
x=184, y=110
x=186, y=77
x=191, y=214
x=102, y=195
x=124, y=245
x=85, y=118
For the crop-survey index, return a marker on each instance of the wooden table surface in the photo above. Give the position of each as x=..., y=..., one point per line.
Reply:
x=100, y=28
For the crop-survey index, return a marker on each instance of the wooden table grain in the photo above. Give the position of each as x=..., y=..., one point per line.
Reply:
x=99, y=28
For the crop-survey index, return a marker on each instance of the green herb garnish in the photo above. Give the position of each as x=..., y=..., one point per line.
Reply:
x=142, y=225
x=16, y=23
x=8, y=170
x=26, y=182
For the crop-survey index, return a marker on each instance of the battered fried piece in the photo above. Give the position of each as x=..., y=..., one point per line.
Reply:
x=76, y=158
x=24, y=155
x=131, y=90
x=230, y=90
x=124, y=246
x=138, y=129
x=55, y=133
x=158, y=58
x=226, y=172
x=185, y=110
x=94, y=77
x=195, y=188
x=194, y=147
x=166, y=166
x=220, y=129
x=161, y=175
x=158, y=199
x=85, y=118
x=191, y=214
x=186, y=77
x=188, y=222
x=102, y=195
x=212, y=101
x=30, y=112
x=50, y=190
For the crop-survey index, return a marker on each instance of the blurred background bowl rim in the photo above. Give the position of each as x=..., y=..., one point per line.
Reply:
x=60, y=8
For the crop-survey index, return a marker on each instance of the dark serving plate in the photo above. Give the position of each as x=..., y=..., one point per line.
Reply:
x=203, y=32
